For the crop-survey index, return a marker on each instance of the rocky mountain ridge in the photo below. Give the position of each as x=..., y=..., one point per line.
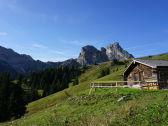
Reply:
x=21, y=63
x=14, y=62
x=90, y=55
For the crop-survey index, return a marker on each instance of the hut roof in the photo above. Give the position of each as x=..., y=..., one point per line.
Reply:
x=150, y=63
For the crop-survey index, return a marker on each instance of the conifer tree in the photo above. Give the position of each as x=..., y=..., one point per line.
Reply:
x=76, y=81
x=12, y=103
x=4, y=96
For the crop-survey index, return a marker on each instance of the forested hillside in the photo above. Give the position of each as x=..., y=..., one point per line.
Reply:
x=54, y=79
x=15, y=93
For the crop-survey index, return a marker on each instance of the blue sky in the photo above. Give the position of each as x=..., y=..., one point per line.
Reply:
x=55, y=30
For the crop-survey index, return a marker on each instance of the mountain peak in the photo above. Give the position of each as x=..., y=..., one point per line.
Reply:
x=89, y=47
x=115, y=51
x=116, y=43
x=90, y=55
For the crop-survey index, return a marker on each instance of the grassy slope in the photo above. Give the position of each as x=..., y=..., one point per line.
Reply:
x=36, y=109
x=163, y=56
x=101, y=107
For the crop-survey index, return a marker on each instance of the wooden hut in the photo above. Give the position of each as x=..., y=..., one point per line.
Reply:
x=153, y=74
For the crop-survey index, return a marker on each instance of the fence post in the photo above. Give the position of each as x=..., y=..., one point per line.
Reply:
x=90, y=88
x=116, y=85
x=94, y=86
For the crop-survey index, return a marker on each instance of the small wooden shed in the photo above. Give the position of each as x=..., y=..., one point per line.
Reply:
x=152, y=73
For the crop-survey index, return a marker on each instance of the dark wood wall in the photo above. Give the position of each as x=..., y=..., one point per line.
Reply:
x=141, y=72
x=162, y=77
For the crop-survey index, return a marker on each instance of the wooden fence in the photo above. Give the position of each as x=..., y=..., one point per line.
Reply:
x=150, y=85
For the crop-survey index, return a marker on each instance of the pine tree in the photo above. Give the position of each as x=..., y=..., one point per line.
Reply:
x=17, y=102
x=115, y=61
x=103, y=73
x=20, y=79
x=107, y=71
x=76, y=81
x=12, y=103
x=4, y=95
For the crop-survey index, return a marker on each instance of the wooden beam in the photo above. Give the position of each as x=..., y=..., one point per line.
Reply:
x=109, y=82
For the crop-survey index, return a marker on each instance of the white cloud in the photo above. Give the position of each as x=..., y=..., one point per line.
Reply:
x=39, y=46
x=57, y=52
x=3, y=33
x=77, y=42
x=52, y=51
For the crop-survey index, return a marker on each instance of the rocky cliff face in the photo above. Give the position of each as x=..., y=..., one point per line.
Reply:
x=115, y=51
x=91, y=55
